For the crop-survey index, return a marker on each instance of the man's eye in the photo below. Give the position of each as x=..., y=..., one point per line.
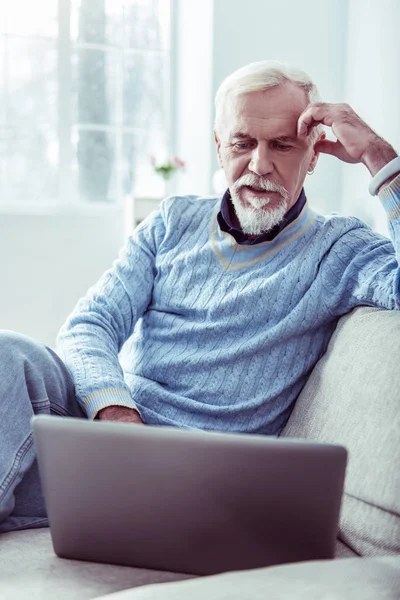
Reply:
x=282, y=147
x=242, y=145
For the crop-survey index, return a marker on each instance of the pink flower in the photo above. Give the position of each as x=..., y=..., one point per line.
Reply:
x=167, y=168
x=179, y=163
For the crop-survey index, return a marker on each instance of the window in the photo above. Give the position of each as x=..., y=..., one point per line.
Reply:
x=84, y=100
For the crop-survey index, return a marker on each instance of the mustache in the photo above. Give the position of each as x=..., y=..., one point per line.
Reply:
x=260, y=183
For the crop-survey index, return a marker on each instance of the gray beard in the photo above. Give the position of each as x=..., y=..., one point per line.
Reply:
x=256, y=221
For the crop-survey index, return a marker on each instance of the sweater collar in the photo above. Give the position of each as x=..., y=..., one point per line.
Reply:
x=226, y=224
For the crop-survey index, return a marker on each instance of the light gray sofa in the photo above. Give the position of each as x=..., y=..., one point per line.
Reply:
x=353, y=398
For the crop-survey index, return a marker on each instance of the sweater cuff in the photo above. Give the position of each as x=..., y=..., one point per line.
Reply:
x=390, y=198
x=107, y=397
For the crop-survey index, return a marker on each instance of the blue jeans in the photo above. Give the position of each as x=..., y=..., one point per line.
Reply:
x=33, y=380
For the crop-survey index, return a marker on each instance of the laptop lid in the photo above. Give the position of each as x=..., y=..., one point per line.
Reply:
x=186, y=501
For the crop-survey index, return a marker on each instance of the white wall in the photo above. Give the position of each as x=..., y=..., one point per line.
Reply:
x=194, y=57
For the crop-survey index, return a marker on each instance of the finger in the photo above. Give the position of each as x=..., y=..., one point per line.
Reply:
x=314, y=115
x=308, y=118
x=327, y=147
x=307, y=129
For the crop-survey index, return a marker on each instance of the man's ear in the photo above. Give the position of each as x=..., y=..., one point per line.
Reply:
x=315, y=154
x=218, y=143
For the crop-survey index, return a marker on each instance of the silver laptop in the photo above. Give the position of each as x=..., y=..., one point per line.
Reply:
x=186, y=501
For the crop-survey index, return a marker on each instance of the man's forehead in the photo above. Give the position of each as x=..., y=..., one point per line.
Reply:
x=277, y=110
x=285, y=96
x=284, y=125
x=283, y=134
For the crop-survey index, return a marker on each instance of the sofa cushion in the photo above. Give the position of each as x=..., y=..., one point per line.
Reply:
x=353, y=398
x=28, y=562
x=346, y=579
x=30, y=569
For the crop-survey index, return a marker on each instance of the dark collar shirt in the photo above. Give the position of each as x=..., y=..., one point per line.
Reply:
x=226, y=223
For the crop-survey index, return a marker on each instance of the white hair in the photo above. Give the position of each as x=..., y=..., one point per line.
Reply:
x=260, y=76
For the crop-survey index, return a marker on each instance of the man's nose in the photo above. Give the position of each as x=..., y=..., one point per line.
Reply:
x=261, y=160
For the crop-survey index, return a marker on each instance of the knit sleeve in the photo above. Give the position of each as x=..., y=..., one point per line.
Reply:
x=362, y=268
x=390, y=198
x=93, y=335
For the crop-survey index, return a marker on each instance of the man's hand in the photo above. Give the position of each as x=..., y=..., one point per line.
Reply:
x=356, y=141
x=119, y=413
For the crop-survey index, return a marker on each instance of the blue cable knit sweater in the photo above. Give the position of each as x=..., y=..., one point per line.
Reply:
x=197, y=331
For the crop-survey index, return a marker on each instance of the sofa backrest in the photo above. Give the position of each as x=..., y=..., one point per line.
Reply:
x=352, y=398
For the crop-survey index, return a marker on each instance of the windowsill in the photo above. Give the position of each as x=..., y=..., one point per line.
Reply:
x=27, y=209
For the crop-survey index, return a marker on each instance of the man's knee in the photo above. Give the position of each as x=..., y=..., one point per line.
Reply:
x=12, y=339
x=15, y=347
x=31, y=372
x=28, y=362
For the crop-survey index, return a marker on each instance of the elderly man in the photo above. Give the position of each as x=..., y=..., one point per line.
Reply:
x=215, y=312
